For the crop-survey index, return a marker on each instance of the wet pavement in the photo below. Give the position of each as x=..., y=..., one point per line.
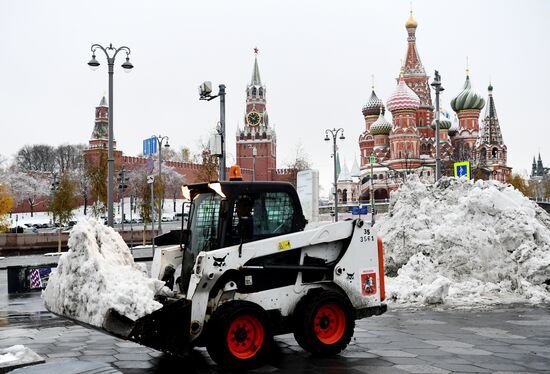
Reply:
x=505, y=339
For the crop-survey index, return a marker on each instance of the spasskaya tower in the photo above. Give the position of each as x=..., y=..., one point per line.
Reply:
x=256, y=141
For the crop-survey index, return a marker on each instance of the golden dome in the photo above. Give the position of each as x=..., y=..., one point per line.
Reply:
x=411, y=22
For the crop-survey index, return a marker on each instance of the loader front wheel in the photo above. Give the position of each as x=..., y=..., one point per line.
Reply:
x=324, y=323
x=239, y=336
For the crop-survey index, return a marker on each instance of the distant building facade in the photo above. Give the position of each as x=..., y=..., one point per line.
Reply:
x=540, y=175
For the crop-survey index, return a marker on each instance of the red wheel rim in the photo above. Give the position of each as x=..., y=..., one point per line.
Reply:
x=330, y=323
x=245, y=336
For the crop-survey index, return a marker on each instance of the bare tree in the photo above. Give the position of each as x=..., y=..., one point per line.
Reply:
x=40, y=157
x=69, y=157
x=299, y=161
x=209, y=166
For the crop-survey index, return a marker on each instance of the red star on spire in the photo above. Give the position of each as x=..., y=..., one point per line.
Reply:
x=256, y=50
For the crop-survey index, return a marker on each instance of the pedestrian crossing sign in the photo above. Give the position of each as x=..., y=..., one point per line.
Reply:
x=372, y=160
x=462, y=169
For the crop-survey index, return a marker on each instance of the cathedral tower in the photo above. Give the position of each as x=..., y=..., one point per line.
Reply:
x=467, y=105
x=372, y=109
x=415, y=76
x=256, y=136
x=404, y=137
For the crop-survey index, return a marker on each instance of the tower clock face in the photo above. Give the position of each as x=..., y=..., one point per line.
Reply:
x=253, y=118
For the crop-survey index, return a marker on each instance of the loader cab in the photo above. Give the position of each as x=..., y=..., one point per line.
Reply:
x=243, y=212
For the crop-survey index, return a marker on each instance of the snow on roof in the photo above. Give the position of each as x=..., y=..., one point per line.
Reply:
x=98, y=273
x=465, y=243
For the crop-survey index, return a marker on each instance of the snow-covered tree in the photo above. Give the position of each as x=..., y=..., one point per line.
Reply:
x=172, y=183
x=28, y=187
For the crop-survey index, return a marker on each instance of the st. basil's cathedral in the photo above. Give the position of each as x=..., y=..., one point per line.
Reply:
x=406, y=144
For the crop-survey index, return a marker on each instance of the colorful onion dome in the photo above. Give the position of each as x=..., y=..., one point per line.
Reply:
x=468, y=99
x=411, y=22
x=445, y=122
x=381, y=126
x=403, y=97
x=373, y=106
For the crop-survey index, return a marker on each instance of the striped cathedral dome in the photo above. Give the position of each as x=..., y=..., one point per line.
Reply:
x=381, y=126
x=373, y=106
x=468, y=99
x=403, y=97
x=445, y=122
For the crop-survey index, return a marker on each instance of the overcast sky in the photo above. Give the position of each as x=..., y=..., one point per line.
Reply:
x=316, y=59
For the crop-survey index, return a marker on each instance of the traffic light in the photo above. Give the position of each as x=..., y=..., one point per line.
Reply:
x=122, y=180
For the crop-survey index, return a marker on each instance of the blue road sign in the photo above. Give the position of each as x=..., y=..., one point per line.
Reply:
x=149, y=146
x=358, y=210
x=462, y=169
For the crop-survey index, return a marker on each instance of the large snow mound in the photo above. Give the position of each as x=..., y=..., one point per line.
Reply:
x=98, y=273
x=466, y=243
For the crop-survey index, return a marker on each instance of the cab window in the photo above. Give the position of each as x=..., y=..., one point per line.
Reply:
x=265, y=214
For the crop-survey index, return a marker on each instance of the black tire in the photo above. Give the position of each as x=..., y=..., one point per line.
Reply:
x=324, y=322
x=239, y=336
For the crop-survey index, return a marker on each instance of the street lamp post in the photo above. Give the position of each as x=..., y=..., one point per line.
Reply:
x=436, y=84
x=110, y=53
x=205, y=93
x=54, y=188
x=254, y=154
x=160, y=140
x=334, y=135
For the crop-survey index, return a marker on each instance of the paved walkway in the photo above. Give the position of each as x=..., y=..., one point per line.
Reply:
x=141, y=253
x=508, y=339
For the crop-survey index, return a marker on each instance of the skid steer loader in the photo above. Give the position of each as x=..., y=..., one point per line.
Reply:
x=248, y=267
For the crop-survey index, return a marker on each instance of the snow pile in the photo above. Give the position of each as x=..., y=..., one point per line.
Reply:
x=464, y=243
x=14, y=354
x=99, y=273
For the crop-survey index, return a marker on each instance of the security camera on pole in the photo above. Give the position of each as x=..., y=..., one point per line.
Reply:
x=205, y=93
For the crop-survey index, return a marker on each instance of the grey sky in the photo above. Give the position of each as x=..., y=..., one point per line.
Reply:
x=316, y=59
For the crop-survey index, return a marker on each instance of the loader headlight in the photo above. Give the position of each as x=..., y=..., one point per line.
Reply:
x=199, y=264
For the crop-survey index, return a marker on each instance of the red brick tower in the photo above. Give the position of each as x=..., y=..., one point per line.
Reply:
x=404, y=137
x=256, y=133
x=99, y=141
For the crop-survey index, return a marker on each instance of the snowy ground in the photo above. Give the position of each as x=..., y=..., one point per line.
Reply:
x=98, y=273
x=21, y=219
x=17, y=355
x=461, y=242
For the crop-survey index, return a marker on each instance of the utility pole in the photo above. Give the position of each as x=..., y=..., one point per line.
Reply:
x=334, y=135
x=122, y=180
x=151, y=180
x=371, y=191
x=436, y=84
x=221, y=94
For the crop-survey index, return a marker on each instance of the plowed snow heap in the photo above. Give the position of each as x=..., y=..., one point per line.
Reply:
x=99, y=273
x=465, y=243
